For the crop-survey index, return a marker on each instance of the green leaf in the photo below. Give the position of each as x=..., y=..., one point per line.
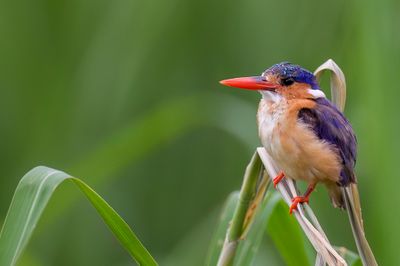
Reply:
x=31, y=197
x=287, y=236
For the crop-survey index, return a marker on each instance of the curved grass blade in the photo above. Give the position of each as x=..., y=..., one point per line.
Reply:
x=337, y=82
x=31, y=197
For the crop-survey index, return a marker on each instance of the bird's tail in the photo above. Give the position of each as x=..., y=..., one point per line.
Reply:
x=353, y=207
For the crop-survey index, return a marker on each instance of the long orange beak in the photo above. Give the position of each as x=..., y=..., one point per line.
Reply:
x=250, y=83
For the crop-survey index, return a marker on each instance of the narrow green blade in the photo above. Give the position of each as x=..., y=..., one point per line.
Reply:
x=31, y=197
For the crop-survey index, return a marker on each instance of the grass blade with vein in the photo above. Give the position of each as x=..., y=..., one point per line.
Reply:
x=31, y=197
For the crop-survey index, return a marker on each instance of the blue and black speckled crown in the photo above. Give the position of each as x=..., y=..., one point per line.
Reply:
x=296, y=72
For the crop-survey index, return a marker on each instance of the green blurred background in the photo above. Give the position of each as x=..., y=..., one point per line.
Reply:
x=125, y=95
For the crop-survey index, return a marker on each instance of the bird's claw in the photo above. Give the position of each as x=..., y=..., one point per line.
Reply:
x=278, y=178
x=296, y=201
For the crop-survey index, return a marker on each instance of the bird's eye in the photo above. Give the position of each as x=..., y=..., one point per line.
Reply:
x=287, y=81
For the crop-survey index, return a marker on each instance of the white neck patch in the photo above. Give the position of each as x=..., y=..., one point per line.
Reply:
x=316, y=93
x=270, y=96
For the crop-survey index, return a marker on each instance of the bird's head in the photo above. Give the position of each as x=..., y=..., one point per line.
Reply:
x=288, y=80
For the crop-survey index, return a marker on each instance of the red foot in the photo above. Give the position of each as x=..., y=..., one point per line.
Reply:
x=278, y=178
x=296, y=201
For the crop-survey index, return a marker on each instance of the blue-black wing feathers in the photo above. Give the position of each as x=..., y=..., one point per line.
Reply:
x=330, y=125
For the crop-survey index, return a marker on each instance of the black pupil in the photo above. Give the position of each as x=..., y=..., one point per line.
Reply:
x=287, y=81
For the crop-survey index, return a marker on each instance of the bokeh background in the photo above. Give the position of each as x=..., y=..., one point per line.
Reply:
x=125, y=95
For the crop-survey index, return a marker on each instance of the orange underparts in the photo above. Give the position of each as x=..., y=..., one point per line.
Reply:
x=278, y=178
x=301, y=199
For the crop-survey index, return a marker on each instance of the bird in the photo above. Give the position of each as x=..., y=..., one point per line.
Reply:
x=308, y=138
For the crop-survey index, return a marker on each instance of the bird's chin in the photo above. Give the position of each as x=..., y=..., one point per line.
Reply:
x=270, y=95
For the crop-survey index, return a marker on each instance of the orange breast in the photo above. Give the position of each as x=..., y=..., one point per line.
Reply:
x=293, y=145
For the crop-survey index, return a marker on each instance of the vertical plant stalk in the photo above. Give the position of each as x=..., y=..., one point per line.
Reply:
x=239, y=222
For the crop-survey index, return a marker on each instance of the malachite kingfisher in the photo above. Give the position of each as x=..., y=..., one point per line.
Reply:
x=305, y=134
x=308, y=138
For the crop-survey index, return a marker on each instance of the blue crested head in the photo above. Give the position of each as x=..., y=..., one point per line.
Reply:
x=290, y=73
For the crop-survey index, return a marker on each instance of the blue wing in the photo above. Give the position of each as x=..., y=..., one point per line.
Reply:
x=330, y=125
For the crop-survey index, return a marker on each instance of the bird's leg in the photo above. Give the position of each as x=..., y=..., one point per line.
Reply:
x=278, y=178
x=301, y=199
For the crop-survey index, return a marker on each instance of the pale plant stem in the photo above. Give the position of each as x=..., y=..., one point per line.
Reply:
x=312, y=229
x=261, y=160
